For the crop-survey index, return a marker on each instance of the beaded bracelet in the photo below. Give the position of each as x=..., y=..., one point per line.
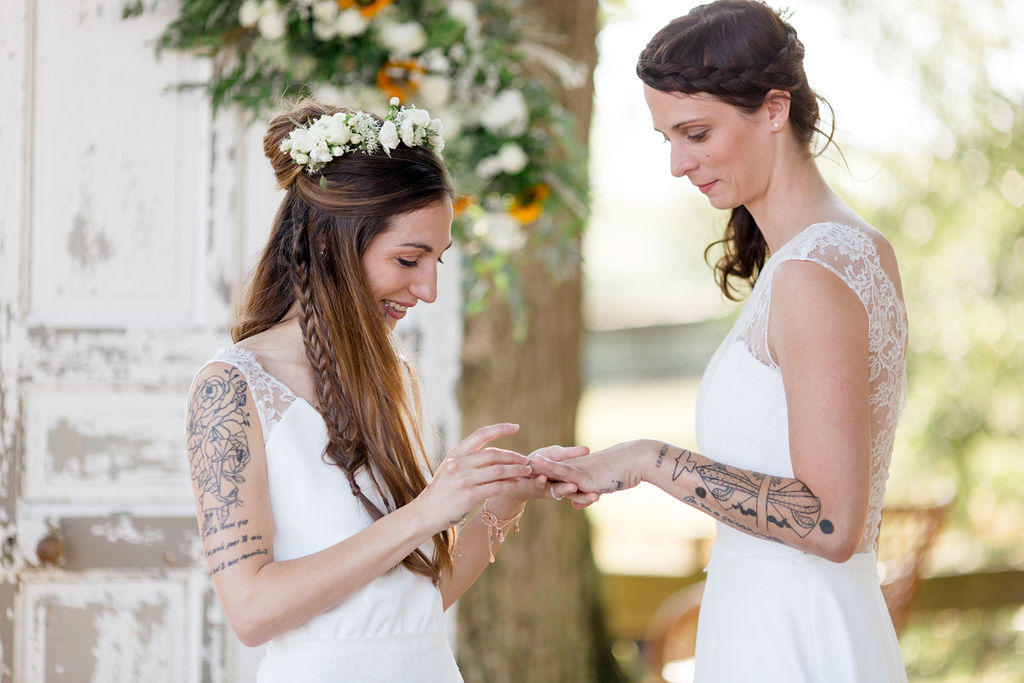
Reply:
x=497, y=527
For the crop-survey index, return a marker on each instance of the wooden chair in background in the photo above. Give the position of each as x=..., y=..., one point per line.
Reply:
x=906, y=535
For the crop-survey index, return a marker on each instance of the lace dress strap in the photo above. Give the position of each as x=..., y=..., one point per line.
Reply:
x=852, y=255
x=272, y=398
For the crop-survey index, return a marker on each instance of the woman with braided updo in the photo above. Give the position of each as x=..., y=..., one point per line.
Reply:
x=324, y=530
x=797, y=408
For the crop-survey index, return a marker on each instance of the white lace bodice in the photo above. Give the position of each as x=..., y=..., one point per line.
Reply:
x=741, y=409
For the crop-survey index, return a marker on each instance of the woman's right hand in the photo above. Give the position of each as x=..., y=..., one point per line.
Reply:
x=471, y=473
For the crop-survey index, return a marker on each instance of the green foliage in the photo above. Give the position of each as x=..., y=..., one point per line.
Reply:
x=958, y=228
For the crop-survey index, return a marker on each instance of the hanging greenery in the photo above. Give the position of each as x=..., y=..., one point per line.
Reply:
x=510, y=144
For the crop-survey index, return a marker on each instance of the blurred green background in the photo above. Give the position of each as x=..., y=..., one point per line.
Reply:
x=928, y=98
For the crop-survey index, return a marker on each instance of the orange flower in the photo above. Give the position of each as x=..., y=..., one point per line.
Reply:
x=367, y=9
x=529, y=208
x=400, y=79
x=461, y=204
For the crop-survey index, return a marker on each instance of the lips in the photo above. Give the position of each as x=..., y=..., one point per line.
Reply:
x=707, y=186
x=394, y=309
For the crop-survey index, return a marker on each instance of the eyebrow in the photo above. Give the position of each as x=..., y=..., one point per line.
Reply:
x=682, y=124
x=425, y=247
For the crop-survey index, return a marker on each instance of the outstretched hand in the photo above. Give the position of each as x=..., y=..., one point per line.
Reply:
x=605, y=471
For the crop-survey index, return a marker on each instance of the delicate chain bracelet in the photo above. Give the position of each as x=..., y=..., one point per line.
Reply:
x=497, y=527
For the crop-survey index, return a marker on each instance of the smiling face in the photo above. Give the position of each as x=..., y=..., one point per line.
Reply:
x=401, y=262
x=724, y=151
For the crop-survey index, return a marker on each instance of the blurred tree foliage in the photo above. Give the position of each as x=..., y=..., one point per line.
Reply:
x=954, y=216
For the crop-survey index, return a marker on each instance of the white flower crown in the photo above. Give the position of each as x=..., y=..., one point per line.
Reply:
x=333, y=135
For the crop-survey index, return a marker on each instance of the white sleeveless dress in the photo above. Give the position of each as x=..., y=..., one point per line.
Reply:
x=771, y=612
x=390, y=630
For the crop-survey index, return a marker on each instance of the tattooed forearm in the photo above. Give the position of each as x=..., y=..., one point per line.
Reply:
x=616, y=485
x=218, y=447
x=772, y=503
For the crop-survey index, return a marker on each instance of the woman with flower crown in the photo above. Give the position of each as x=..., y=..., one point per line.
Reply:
x=324, y=529
x=797, y=408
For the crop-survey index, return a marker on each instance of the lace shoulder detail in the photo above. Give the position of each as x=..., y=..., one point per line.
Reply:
x=272, y=398
x=852, y=255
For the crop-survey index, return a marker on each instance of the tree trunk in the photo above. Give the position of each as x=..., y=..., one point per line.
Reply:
x=534, y=615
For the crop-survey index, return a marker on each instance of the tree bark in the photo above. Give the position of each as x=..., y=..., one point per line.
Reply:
x=534, y=615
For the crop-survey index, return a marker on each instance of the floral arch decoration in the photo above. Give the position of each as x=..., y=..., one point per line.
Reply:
x=511, y=146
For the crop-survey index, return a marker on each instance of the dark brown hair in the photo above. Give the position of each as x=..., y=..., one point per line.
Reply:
x=367, y=394
x=736, y=51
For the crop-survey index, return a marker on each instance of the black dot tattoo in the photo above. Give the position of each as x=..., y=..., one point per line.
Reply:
x=701, y=493
x=826, y=526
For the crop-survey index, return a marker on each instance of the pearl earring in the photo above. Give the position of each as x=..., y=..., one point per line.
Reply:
x=775, y=125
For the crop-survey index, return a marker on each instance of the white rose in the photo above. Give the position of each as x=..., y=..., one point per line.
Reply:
x=335, y=130
x=388, y=135
x=325, y=11
x=351, y=22
x=408, y=132
x=249, y=13
x=271, y=25
x=506, y=113
x=300, y=157
x=512, y=157
x=420, y=117
x=320, y=151
x=435, y=90
x=403, y=39
x=299, y=140
x=501, y=232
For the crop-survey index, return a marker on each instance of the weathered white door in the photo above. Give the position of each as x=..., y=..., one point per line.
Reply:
x=128, y=215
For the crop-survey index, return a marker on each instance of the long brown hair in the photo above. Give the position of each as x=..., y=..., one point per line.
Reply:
x=366, y=392
x=737, y=51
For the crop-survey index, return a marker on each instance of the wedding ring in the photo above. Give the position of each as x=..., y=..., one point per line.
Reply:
x=554, y=496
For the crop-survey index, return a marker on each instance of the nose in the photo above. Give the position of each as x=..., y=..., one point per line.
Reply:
x=682, y=161
x=424, y=287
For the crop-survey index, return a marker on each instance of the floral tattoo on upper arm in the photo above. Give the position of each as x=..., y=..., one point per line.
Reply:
x=218, y=447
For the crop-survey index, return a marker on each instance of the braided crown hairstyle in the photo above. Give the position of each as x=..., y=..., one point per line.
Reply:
x=367, y=394
x=736, y=51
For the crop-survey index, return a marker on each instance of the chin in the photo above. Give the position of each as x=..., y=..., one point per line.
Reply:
x=724, y=203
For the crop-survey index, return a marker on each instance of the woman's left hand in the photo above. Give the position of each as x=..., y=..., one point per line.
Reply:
x=539, y=486
x=606, y=471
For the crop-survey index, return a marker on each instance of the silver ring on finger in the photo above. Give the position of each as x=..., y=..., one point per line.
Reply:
x=554, y=496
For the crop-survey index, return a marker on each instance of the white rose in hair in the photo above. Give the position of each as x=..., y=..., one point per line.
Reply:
x=271, y=25
x=512, y=157
x=408, y=132
x=506, y=113
x=249, y=13
x=403, y=39
x=420, y=117
x=320, y=152
x=351, y=22
x=337, y=133
x=388, y=135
